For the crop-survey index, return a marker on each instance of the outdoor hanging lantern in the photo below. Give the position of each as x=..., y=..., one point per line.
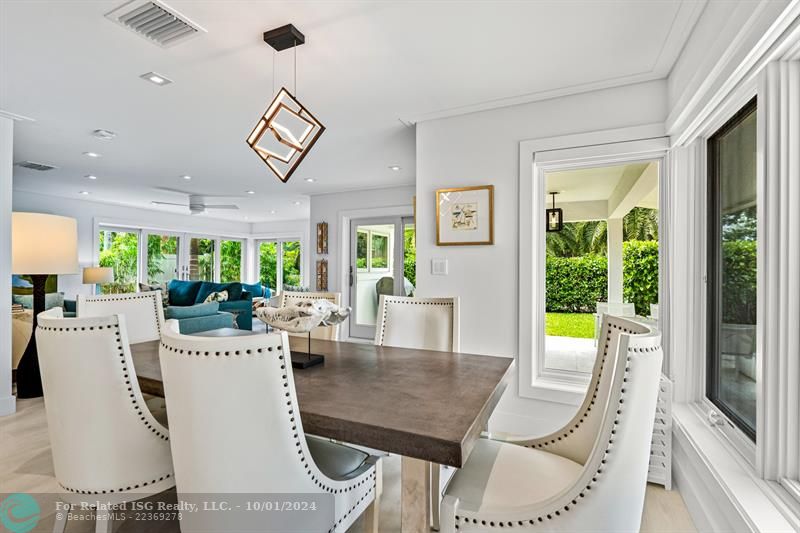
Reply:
x=554, y=216
x=286, y=131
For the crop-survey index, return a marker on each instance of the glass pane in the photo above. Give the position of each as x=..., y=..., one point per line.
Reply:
x=361, y=250
x=380, y=251
x=375, y=276
x=162, y=258
x=291, y=264
x=119, y=250
x=732, y=265
x=268, y=264
x=230, y=261
x=409, y=258
x=596, y=264
x=201, y=259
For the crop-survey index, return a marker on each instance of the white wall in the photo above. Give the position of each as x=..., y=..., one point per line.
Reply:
x=331, y=207
x=7, y=401
x=89, y=213
x=456, y=152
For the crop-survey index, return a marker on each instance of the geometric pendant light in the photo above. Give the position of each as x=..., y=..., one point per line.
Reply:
x=286, y=131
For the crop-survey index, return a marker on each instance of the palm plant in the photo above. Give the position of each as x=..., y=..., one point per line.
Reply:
x=590, y=237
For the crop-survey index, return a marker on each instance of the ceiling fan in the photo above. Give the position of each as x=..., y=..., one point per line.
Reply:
x=197, y=202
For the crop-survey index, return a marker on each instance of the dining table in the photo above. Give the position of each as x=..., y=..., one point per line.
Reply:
x=428, y=407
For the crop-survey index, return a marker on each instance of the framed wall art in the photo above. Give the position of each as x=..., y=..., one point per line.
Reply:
x=322, y=275
x=465, y=216
x=322, y=238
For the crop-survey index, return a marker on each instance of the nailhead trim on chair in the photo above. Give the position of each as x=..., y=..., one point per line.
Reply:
x=588, y=409
x=405, y=301
x=303, y=459
x=598, y=472
x=122, y=489
x=123, y=297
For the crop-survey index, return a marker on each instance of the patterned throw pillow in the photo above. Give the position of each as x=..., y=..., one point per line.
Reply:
x=221, y=296
x=145, y=287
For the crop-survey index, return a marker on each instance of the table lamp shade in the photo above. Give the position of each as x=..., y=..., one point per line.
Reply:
x=98, y=275
x=43, y=244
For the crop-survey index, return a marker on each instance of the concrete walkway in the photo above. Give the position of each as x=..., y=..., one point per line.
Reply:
x=568, y=353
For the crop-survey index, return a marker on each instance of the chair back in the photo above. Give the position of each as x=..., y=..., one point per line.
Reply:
x=144, y=313
x=104, y=439
x=289, y=298
x=422, y=323
x=223, y=392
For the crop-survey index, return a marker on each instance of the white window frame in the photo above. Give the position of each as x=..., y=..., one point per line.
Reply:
x=183, y=234
x=599, y=148
x=279, y=240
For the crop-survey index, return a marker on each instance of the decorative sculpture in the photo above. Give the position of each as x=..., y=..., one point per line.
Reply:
x=302, y=318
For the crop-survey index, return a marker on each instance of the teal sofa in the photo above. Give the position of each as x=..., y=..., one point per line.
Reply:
x=191, y=293
x=200, y=317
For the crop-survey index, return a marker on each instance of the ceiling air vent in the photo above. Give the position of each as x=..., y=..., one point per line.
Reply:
x=155, y=21
x=35, y=166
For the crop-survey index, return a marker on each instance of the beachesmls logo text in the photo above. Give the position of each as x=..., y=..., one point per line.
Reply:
x=19, y=513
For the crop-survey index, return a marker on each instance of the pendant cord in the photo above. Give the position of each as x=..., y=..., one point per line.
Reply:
x=273, y=71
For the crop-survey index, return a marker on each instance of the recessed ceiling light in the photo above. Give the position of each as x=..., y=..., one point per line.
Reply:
x=85, y=193
x=91, y=177
x=250, y=192
x=271, y=211
x=296, y=202
x=187, y=178
x=310, y=180
x=91, y=154
x=394, y=167
x=104, y=134
x=156, y=78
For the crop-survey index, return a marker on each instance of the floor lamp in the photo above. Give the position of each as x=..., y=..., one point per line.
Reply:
x=41, y=245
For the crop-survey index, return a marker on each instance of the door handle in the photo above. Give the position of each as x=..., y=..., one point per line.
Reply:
x=351, y=275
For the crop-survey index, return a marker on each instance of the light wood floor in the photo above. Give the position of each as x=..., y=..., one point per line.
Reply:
x=26, y=466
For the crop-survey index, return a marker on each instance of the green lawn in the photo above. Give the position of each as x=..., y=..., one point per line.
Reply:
x=579, y=325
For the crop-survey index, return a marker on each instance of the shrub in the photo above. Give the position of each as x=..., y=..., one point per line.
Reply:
x=739, y=282
x=575, y=284
x=640, y=274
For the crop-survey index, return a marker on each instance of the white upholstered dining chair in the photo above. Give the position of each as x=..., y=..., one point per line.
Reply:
x=106, y=445
x=144, y=313
x=591, y=474
x=422, y=323
x=288, y=298
x=425, y=324
x=234, y=398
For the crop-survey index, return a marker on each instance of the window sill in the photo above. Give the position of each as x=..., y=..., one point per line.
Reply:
x=725, y=476
x=554, y=390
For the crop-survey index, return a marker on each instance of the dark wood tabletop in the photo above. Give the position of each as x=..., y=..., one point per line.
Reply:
x=416, y=403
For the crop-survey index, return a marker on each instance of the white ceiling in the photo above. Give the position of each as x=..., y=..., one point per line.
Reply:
x=366, y=69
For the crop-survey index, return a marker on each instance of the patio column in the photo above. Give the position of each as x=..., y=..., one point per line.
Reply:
x=7, y=400
x=614, y=246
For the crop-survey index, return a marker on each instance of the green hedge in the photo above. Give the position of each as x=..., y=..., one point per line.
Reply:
x=575, y=284
x=739, y=282
x=640, y=274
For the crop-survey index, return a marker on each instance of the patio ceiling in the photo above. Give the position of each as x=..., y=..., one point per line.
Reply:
x=604, y=192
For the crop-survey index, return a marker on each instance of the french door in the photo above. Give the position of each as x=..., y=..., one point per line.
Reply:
x=167, y=255
x=378, y=248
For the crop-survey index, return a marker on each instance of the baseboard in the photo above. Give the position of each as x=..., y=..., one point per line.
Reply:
x=8, y=405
